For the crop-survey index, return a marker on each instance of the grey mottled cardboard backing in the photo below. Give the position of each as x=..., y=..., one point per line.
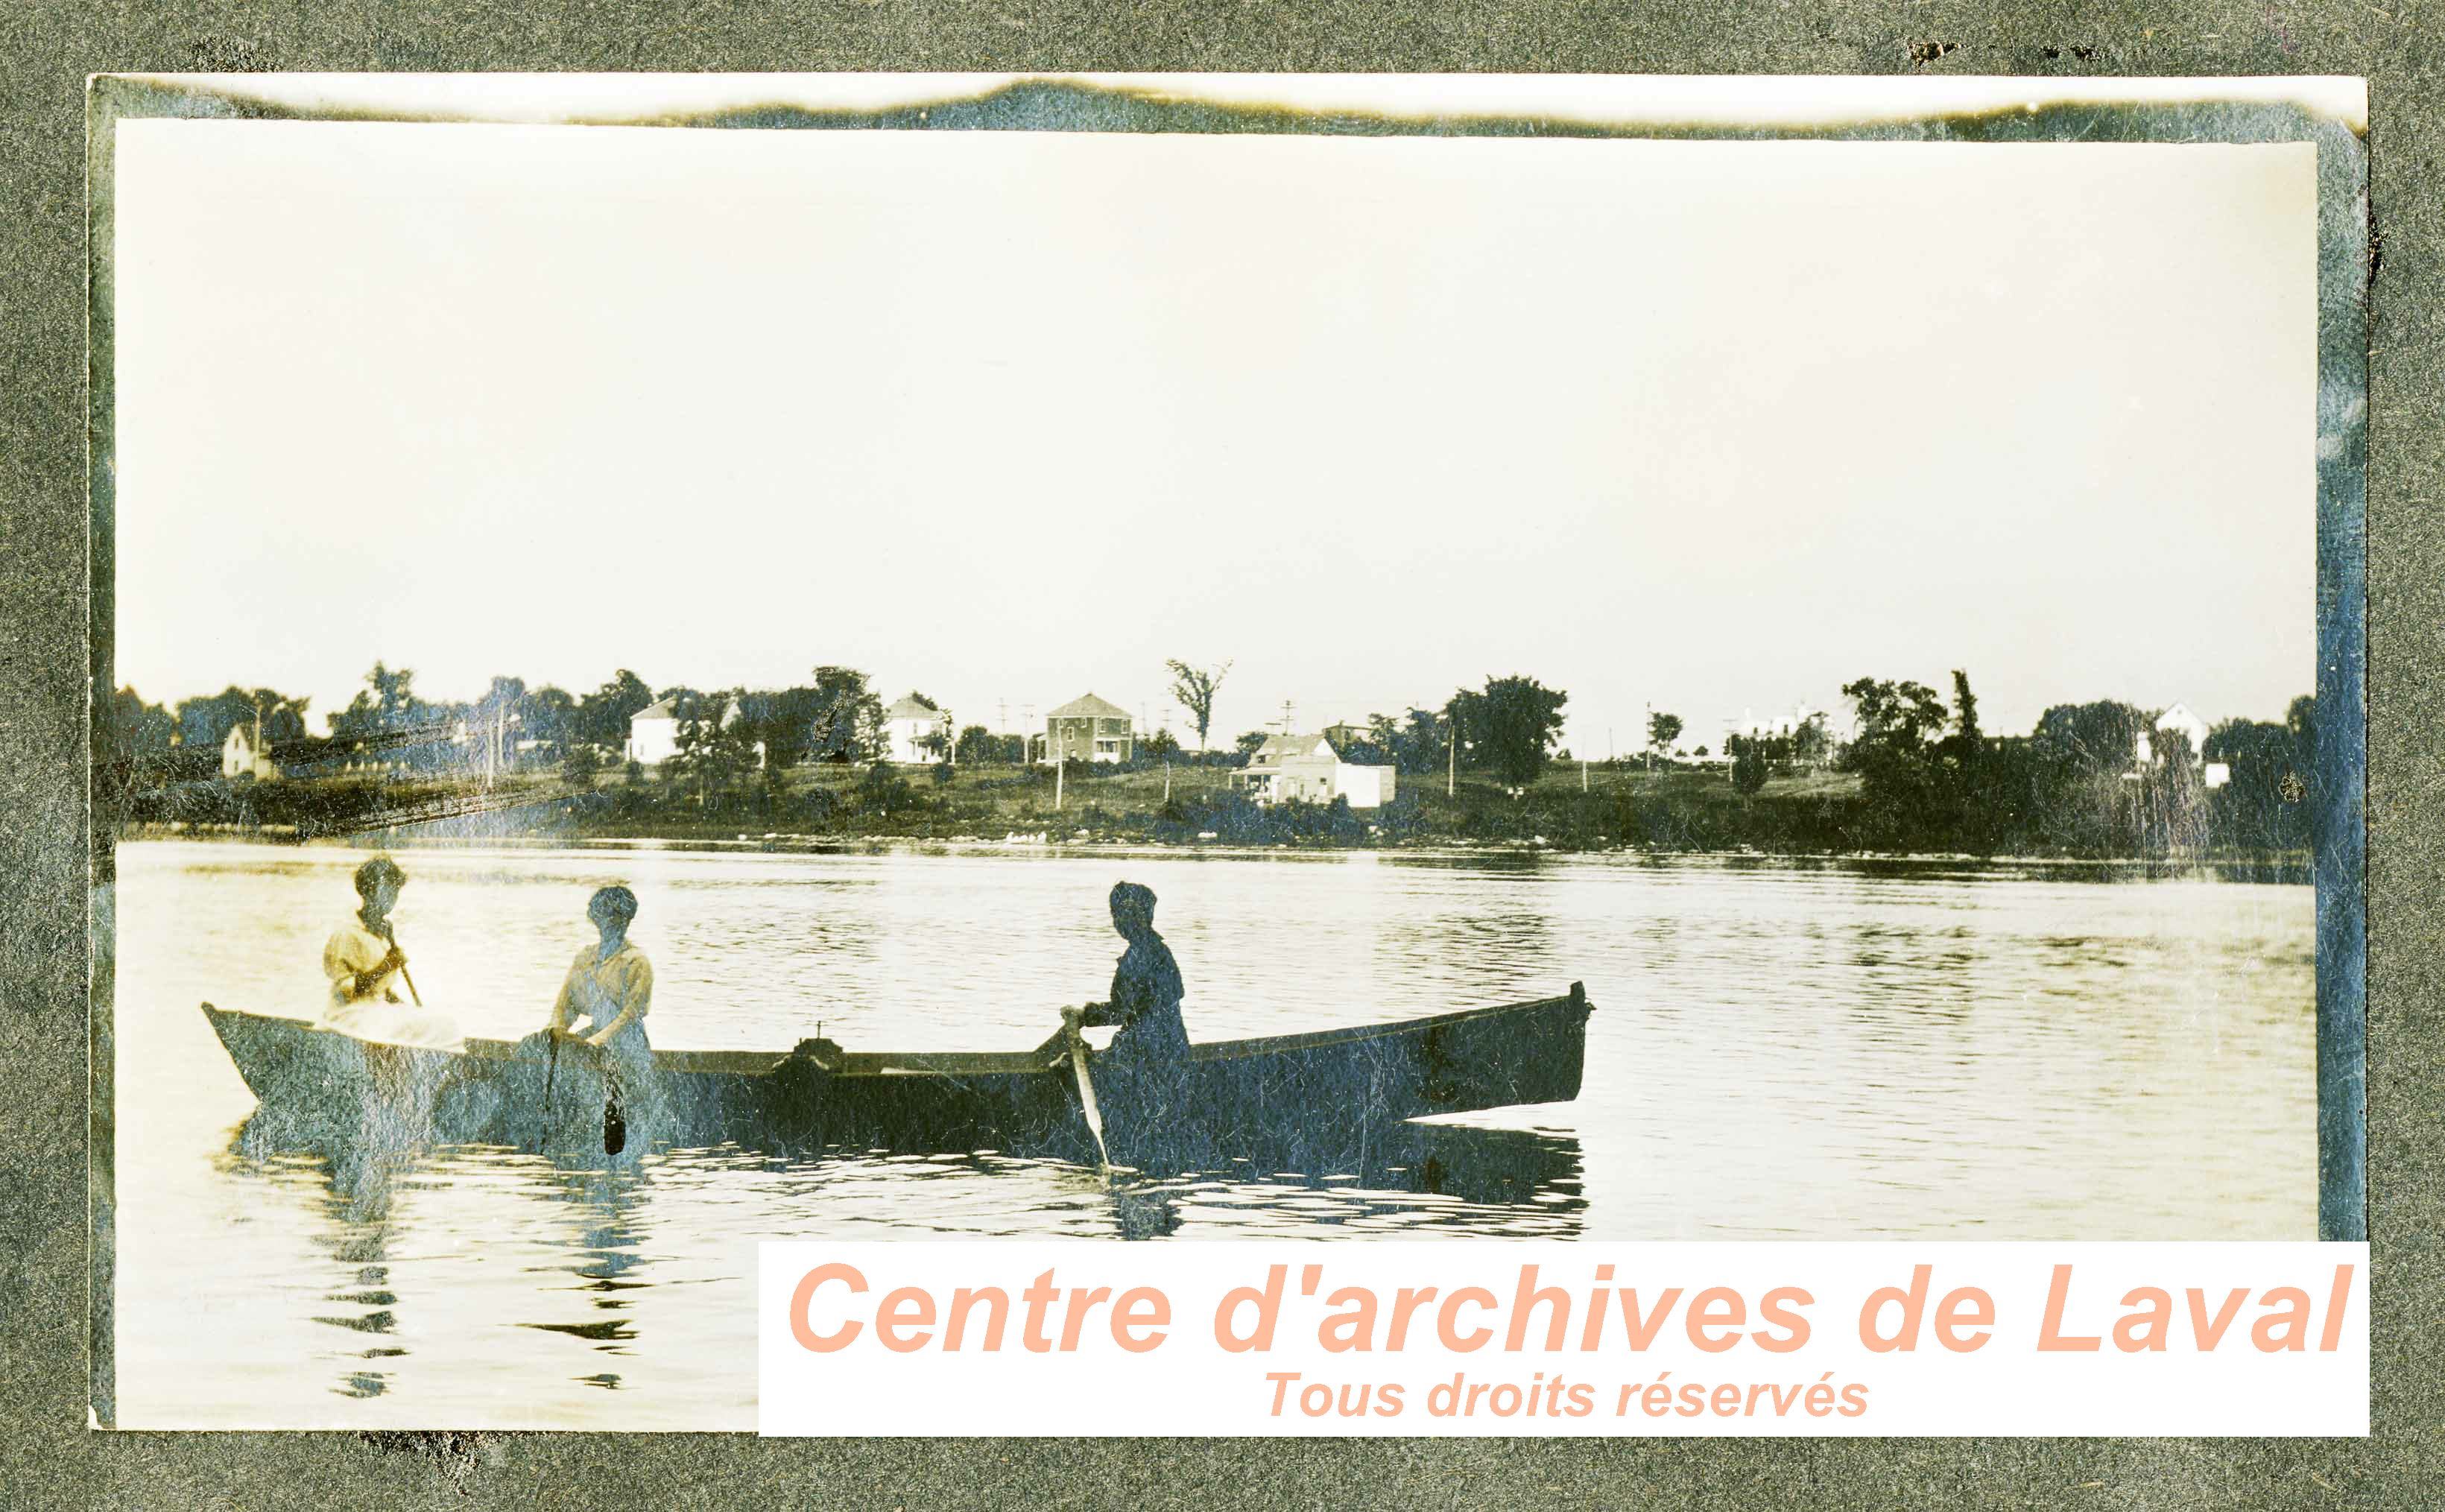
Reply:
x=52, y=1459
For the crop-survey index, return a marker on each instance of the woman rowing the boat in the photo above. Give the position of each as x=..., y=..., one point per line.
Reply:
x=1145, y=985
x=1142, y=1075
x=364, y=966
x=610, y=984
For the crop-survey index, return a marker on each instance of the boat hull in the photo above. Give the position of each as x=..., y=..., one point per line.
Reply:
x=1295, y=1098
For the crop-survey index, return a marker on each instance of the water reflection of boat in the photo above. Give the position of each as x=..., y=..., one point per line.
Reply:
x=1416, y=1179
x=1296, y=1102
x=356, y=1195
x=356, y=1181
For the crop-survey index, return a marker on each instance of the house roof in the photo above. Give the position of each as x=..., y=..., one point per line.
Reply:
x=658, y=709
x=1090, y=707
x=908, y=708
x=1278, y=747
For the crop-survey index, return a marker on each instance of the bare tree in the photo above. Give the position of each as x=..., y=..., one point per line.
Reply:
x=1193, y=689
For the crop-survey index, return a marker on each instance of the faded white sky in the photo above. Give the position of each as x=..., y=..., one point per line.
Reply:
x=1008, y=417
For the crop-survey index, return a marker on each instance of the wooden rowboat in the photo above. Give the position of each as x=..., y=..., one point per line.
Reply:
x=1295, y=1097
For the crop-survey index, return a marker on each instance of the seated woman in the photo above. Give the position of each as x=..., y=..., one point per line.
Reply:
x=364, y=963
x=610, y=985
x=1146, y=986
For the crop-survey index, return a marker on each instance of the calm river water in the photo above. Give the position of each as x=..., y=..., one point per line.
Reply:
x=1833, y=1050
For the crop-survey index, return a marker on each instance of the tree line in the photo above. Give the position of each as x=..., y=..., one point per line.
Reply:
x=1929, y=777
x=836, y=716
x=2095, y=778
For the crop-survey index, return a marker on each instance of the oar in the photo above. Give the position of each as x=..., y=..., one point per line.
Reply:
x=1087, y=1096
x=390, y=933
x=550, y=1069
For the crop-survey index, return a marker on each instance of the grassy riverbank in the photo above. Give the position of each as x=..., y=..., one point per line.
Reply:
x=1606, y=808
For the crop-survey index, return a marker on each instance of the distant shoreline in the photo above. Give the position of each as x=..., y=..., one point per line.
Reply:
x=1185, y=808
x=2287, y=867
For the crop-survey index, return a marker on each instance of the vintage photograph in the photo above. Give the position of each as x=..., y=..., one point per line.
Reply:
x=1078, y=657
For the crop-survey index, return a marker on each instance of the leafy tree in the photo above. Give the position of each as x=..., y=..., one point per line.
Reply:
x=503, y=707
x=2260, y=805
x=1748, y=764
x=2301, y=718
x=847, y=726
x=580, y=766
x=1662, y=729
x=508, y=695
x=1251, y=742
x=386, y=705
x=1420, y=742
x=2092, y=739
x=782, y=721
x=1909, y=795
x=1894, y=716
x=1159, y=746
x=133, y=728
x=1810, y=743
x=549, y=714
x=977, y=745
x=1194, y=688
x=208, y=721
x=603, y=715
x=881, y=791
x=1509, y=727
x=714, y=754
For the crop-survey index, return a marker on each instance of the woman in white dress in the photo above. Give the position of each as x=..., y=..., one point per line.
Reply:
x=364, y=966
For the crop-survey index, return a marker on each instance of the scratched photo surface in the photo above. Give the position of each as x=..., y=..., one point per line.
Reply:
x=1761, y=689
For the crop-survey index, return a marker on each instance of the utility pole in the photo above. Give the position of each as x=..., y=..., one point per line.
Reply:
x=1287, y=716
x=1451, y=777
x=1650, y=739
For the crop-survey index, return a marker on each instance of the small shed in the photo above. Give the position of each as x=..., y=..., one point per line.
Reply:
x=1309, y=769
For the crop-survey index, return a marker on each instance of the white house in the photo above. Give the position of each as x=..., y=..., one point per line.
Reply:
x=243, y=756
x=1750, y=725
x=654, y=731
x=1307, y=768
x=907, y=725
x=2193, y=731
